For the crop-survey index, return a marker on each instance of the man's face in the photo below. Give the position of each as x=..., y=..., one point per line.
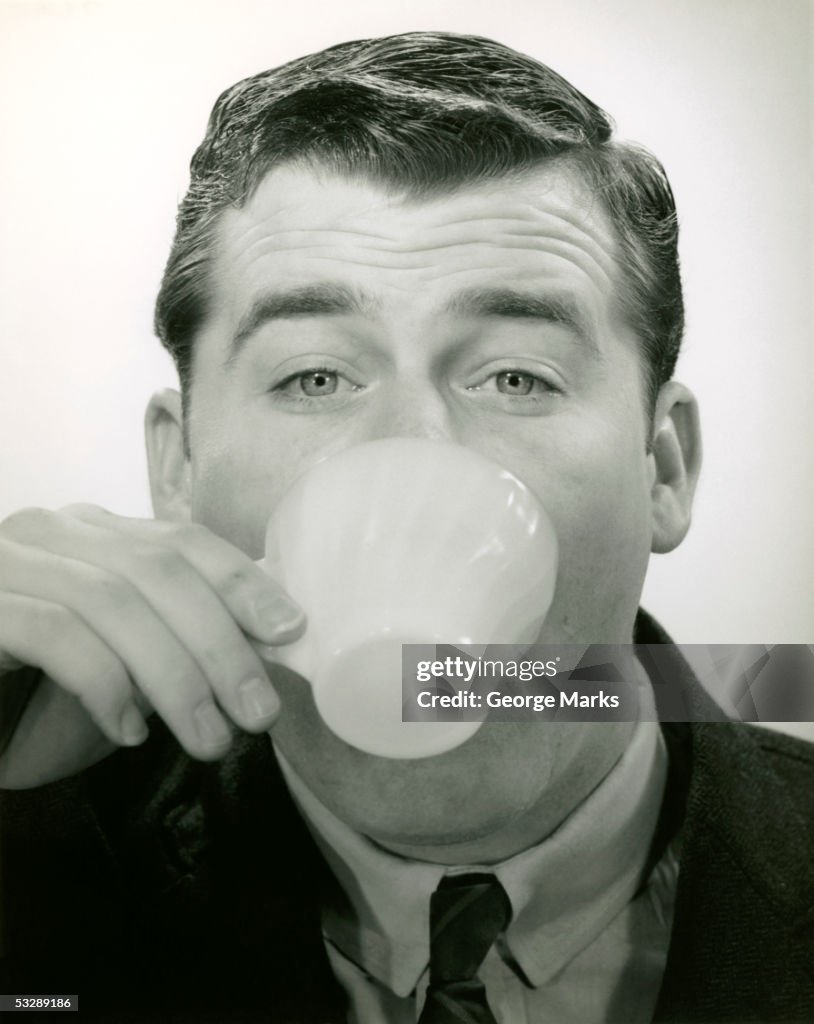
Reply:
x=342, y=313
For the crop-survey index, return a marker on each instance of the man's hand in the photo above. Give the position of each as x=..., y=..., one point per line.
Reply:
x=124, y=616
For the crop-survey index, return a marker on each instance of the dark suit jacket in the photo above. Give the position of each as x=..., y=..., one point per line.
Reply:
x=163, y=889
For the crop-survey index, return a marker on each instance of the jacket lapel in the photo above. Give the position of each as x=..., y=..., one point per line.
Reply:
x=742, y=946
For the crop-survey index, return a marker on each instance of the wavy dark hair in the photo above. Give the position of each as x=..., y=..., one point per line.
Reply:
x=425, y=112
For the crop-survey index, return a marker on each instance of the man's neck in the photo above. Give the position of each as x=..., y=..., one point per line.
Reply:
x=589, y=768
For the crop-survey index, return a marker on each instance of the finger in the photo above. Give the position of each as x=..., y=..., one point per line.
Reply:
x=256, y=601
x=160, y=666
x=57, y=641
x=185, y=602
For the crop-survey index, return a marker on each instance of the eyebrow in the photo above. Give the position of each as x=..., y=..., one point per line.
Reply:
x=511, y=304
x=335, y=299
x=324, y=299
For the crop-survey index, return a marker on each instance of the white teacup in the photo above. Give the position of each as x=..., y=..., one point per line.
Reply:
x=401, y=541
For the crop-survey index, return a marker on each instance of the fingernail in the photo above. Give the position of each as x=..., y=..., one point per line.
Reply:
x=279, y=614
x=133, y=727
x=258, y=699
x=212, y=729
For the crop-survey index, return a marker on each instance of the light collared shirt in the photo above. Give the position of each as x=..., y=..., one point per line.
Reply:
x=588, y=937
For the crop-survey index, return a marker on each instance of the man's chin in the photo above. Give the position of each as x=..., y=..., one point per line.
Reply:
x=429, y=807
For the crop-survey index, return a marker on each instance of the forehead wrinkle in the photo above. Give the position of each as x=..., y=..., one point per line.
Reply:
x=419, y=264
x=410, y=258
x=590, y=220
x=434, y=213
x=570, y=253
x=279, y=241
x=602, y=251
x=233, y=217
x=506, y=226
x=552, y=193
x=572, y=215
x=583, y=251
x=577, y=233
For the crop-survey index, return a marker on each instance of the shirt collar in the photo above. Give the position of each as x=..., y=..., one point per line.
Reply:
x=564, y=891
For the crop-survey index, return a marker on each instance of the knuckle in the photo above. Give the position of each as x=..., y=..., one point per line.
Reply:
x=221, y=661
x=81, y=509
x=193, y=534
x=180, y=535
x=26, y=521
x=114, y=593
x=163, y=564
x=236, y=580
x=55, y=620
x=164, y=528
x=181, y=688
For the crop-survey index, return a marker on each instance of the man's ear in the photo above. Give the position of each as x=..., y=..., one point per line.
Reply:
x=167, y=461
x=675, y=452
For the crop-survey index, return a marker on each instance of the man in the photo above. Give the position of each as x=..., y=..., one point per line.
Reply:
x=428, y=236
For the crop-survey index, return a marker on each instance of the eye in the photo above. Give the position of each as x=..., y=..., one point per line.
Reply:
x=313, y=386
x=313, y=383
x=516, y=382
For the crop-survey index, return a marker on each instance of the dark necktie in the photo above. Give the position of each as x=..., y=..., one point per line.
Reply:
x=467, y=913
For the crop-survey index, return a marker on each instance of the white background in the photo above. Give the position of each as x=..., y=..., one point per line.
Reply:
x=103, y=101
